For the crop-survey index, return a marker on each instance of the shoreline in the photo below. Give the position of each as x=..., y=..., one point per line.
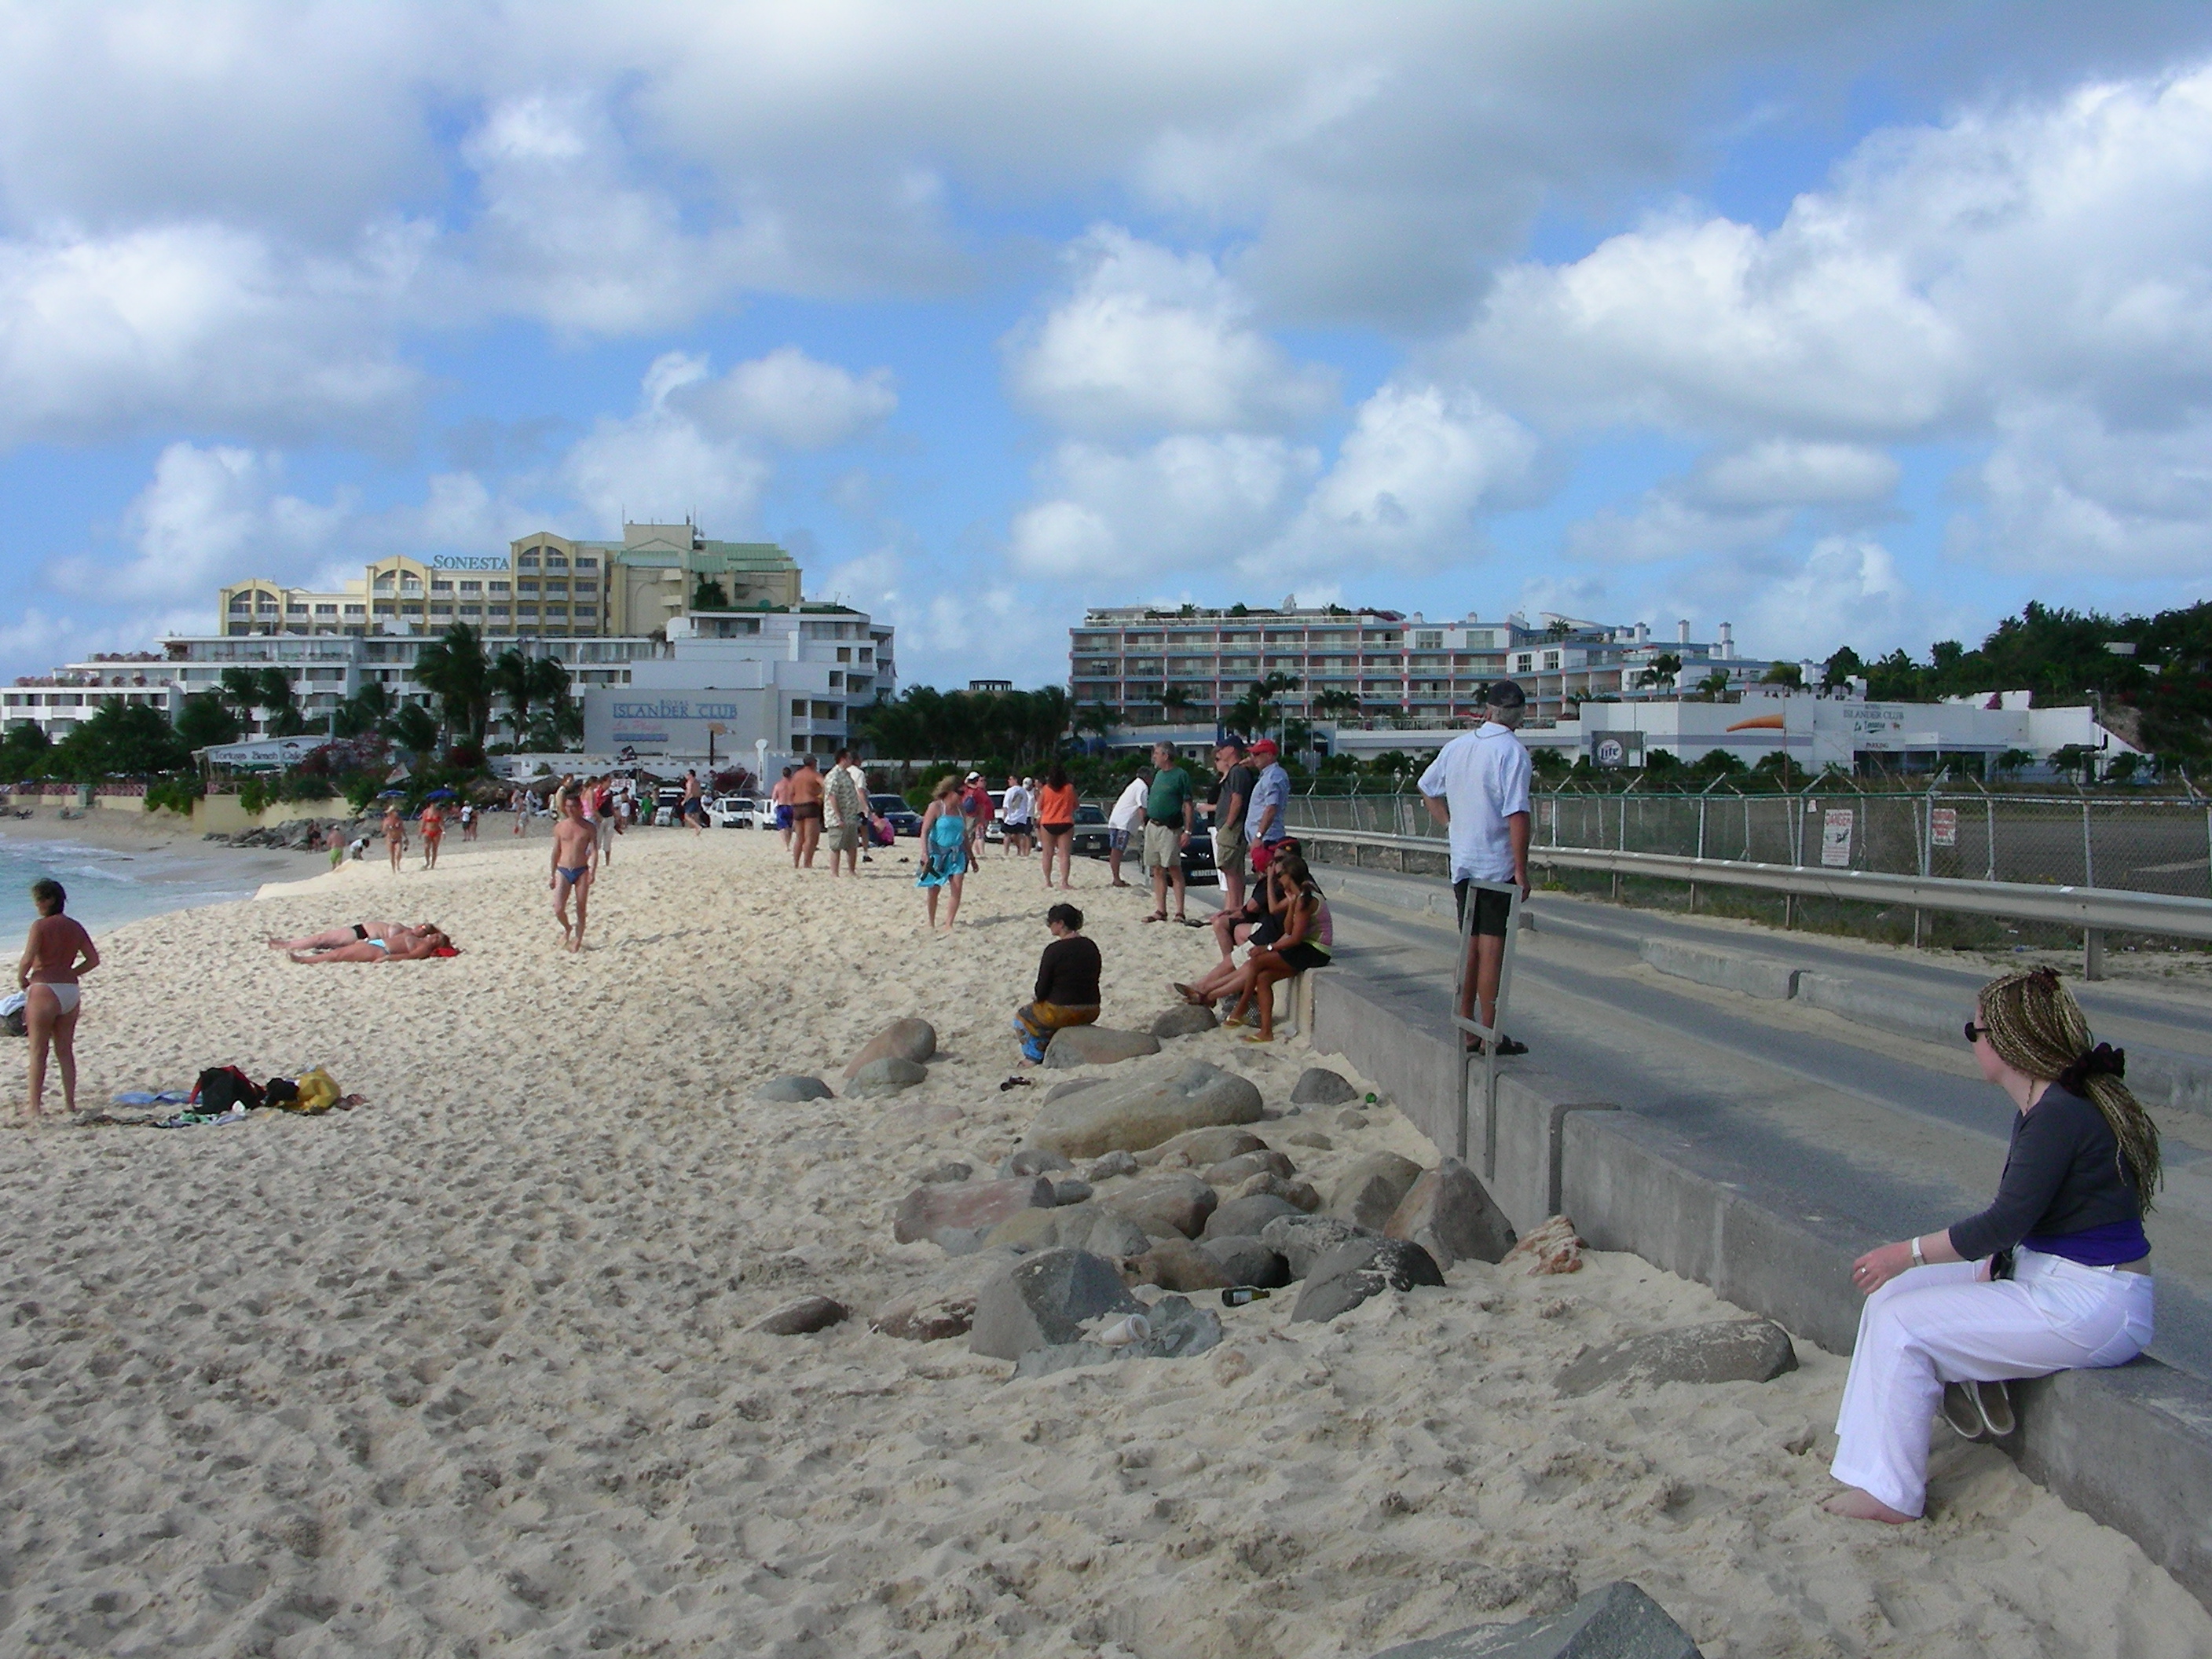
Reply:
x=122, y=867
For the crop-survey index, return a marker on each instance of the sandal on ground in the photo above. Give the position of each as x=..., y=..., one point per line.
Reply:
x=1232, y=1021
x=1255, y=1036
x=1506, y=1046
x=1994, y=1403
x=1962, y=1413
x=1158, y=915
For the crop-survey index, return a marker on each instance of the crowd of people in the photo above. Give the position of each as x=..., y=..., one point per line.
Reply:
x=2053, y=1274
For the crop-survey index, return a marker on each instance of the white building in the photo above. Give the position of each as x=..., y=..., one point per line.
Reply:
x=787, y=679
x=1815, y=731
x=58, y=703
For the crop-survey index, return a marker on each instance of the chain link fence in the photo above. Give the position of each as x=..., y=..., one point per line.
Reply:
x=2153, y=844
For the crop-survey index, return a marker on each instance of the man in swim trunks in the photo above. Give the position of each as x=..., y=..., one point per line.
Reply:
x=807, y=789
x=395, y=834
x=433, y=831
x=780, y=798
x=576, y=854
x=693, y=811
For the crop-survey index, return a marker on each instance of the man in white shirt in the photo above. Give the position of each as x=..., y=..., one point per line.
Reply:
x=1015, y=812
x=1478, y=788
x=1124, y=821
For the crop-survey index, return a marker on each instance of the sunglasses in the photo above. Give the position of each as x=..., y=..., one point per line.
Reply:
x=1975, y=1033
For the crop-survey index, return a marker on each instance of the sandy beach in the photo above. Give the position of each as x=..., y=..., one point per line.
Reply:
x=469, y=1370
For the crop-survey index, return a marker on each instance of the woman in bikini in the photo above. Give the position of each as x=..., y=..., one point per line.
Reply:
x=58, y=952
x=403, y=944
x=337, y=939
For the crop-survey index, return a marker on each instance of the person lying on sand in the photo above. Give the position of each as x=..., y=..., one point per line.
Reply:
x=335, y=939
x=405, y=948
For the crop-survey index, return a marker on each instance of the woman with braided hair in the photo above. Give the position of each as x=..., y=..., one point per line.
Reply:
x=2054, y=1275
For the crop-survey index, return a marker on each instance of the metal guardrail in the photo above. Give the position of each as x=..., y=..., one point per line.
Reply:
x=2095, y=910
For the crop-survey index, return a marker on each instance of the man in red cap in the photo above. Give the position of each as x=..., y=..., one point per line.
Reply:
x=1271, y=804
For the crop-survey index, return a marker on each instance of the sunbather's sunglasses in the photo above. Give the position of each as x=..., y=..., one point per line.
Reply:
x=1975, y=1033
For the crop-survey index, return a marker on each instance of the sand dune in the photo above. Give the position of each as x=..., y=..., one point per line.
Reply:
x=469, y=1370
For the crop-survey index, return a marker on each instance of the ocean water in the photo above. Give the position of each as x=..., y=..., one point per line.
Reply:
x=108, y=888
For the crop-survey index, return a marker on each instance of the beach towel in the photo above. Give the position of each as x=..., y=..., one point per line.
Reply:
x=151, y=1097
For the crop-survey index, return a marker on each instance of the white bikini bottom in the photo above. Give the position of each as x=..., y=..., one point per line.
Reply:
x=66, y=995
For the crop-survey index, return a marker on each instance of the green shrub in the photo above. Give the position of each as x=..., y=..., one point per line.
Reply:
x=175, y=795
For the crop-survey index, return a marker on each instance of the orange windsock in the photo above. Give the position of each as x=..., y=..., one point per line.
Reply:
x=1758, y=723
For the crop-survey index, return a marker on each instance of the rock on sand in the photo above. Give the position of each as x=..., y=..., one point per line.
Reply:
x=1043, y=1300
x=1450, y=1214
x=1171, y=1202
x=793, y=1089
x=1142, y=1112
x=1185, y=1020
x=914, y=1040
x=930, y=1209
x=1614, y=1621
x=1096, y=1045
x=1722, y=1350
x=802, y=1317
x=943, y=1305
x=1319, y=1086
x=1369, y=1193
x=1347, y=1277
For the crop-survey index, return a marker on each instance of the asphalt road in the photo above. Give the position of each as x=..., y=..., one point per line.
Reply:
x=1860, y=1125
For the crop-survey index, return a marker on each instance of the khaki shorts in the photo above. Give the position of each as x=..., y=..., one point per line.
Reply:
x=1229, y=846
x=1162, y=847
x=843, y=838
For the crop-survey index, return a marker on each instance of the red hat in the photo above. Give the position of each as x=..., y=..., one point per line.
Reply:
x=1265, y=746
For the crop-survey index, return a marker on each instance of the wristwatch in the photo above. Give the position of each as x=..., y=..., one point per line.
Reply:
x=1918, y=1260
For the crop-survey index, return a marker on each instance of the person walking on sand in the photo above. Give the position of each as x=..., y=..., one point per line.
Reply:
x=434, y=832
x=395, y=834
x=518, y=803
x=1478, y=788
x=1127, y=819
x=1056, y=824
x=806, y=791
x=1168, y=811
x=575, y=851
x=944, y=850
x=1066, y=984
x=469, y=816
x=58, y=953
x=845, y=813
x=780, y=798
x=607, y=818
x=1014, y=809
x=693, y=811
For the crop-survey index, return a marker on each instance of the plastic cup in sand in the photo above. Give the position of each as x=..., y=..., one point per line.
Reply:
x=1130, y=1328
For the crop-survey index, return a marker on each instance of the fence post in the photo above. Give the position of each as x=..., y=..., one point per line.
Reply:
x=2093, y=953
x=2088, y=862
x=1701, y=845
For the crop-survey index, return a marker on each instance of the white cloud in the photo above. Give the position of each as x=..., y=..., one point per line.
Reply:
x=102, y=334
x=1420, y=467
x=1845, y=589
x=1149, y=341
x=695, y=444
x=207, y=516
x=790, y=398
x=2066, y=495
x=1777, y=472
x=1189, y=501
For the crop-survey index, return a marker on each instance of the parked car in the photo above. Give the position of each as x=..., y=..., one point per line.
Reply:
x=894, y=811
x=1089, y=840
x=666, y=800
x=994, y=830
x=735, y=813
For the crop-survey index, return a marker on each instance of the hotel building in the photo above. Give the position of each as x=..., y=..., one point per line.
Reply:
x=1154, y=667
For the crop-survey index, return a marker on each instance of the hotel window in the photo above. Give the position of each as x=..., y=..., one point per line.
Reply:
x=411, y=585
x=588, y=564
x=584, y=587
x=499, y=610
x=528, y=560
x=472, y=611
x=554, y=561
x=441, y=608
x=356, y=611
x=386, y=608
x=836, y=680
x=326, y=610
x=556, y=584
x=440, y=585
x=471, y=587
x=798, y=708
x=529, y=611
x=241, y=606
x=414, y=608
x=499, y=587
x=1432, y=639
x=527, y=586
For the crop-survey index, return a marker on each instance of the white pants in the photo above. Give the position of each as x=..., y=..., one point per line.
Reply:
x=1939, y=1324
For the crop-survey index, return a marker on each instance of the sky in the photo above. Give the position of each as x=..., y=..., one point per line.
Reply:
x=1859, y=322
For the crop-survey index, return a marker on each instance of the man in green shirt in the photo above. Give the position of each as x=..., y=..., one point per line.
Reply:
x=1168, y=808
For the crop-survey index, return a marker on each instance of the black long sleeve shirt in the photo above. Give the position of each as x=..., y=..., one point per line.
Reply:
x=2062, y=1176
x=1067, y=973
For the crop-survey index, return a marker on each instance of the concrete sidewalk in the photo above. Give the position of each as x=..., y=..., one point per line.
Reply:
x=1758, y=1142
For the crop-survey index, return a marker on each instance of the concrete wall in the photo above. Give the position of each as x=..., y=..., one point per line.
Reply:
x=2131, y=1446
x=222, y=815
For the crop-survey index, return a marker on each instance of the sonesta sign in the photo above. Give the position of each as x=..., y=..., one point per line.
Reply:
x=468, y=561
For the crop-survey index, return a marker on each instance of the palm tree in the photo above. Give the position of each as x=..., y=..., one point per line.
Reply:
x=455, y=671
x=1176, y=699
x=369, y=709
x=1663, y=669
x=1335, y=700
x=1712, y=686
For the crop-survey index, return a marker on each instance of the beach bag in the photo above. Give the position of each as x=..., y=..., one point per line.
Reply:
x=225, y=1088
x=318, y=1092
x=279, y=1091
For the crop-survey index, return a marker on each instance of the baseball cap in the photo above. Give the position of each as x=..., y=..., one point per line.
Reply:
x=1265, y=746
x=974, y=777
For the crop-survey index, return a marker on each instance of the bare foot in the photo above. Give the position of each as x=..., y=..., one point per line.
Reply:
x=1856, y=1505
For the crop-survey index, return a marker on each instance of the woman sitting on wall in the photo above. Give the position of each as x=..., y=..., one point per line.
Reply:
x=2054, y=1275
